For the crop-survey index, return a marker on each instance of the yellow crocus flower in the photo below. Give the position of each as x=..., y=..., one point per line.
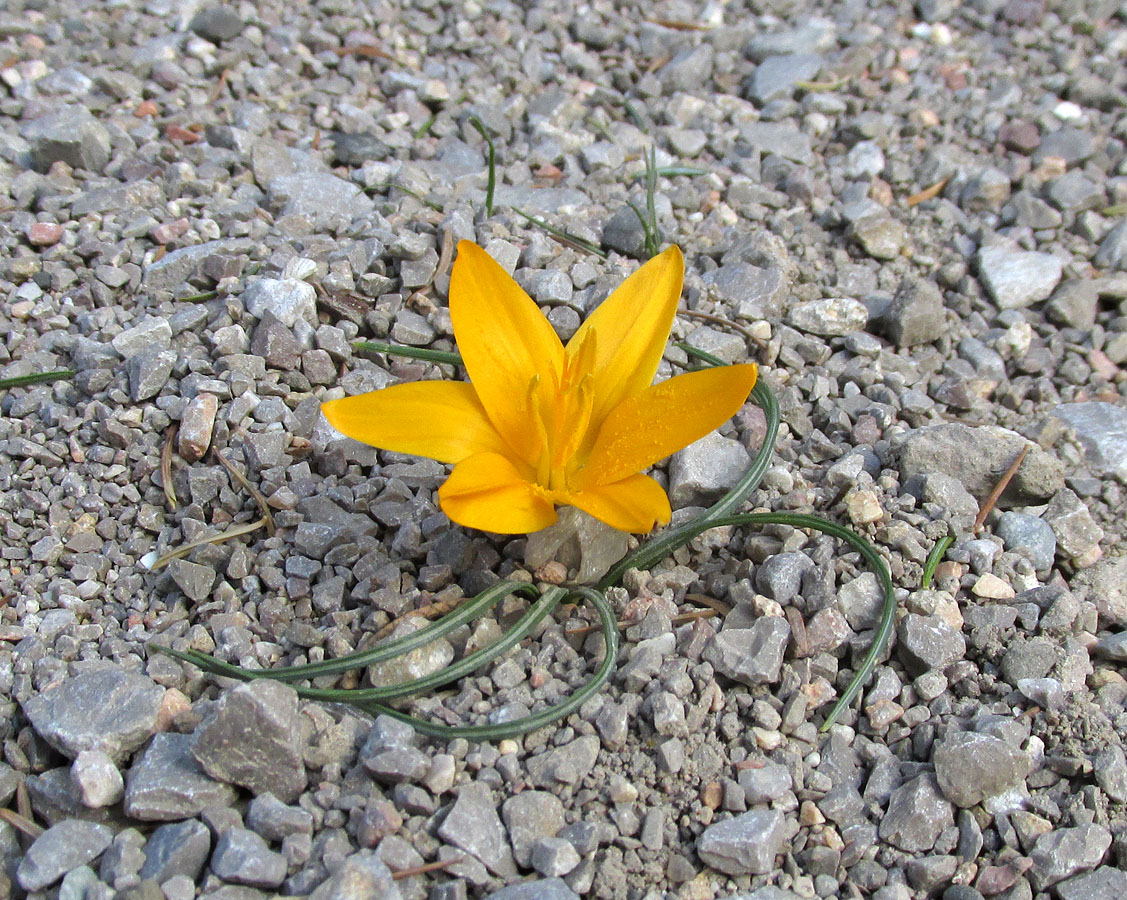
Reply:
x=540, y=424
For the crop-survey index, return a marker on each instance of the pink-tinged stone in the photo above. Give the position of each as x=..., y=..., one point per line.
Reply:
x=196, y=424
x=167, y=232
x=1102, y=365
x=995, y=879
x=44, y=234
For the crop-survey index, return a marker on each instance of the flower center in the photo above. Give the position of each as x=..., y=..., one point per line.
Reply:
x=561, y=413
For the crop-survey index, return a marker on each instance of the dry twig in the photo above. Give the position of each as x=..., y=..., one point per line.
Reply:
x=989, y=503
x=21, y=823
x=166, y=466
x=426, y=867
x=928, y=193
x=267, y=516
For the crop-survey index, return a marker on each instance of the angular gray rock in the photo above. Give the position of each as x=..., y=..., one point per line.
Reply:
x=829, y=317
x=927, y=643
x=274, y=820
x=149, y=372
x=568, y=764
x=1110, y=769
x=363, y=875
x=242, y=857
x=780, y=576
x=194, y=579
x=288, y=299
x=1113, y=249
x=62, y=847
x=541, y=889
x=150, y=334
x=880, y=236
x=765, y=783
x=623, y=232
x=328, y=202
x=972, y=767
x=916, y=315
x=917, y=812
x=71, y=135
x=782, y=138
x=1018, y=278
x=529, y=816
x=1077, y=532
x=553, y=856
x=757, y=293
x=110, y=709
x=98, y=779
x=1063, y=852
x=473, y=825
x=1105, y=584
x=1029, y=535
x=253, y=739
x=179, y=848
x=176, y=267
x=745, y=844
x=978, y=456
x=750, y=656
x=703, y=471
x=166, y=782
x=689, y=70
x=1101, y=429
x=1104, y=883
x=777, y=76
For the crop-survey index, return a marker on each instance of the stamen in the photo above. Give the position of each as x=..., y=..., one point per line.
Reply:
x=539, y=426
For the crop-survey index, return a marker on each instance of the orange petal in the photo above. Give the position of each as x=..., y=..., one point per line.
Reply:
x=440, y=419
x=635, y=504
x=633, y=325
x=663, y=419
x=505, y=343
x=486, y=491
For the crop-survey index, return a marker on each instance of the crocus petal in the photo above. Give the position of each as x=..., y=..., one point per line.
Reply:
x=440, y=419
x=507, y=344
x=486, y=491
x=633, y=325
x=663, y=419
x=635, y=504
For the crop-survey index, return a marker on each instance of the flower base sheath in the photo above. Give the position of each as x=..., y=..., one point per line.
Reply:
x=541, y=425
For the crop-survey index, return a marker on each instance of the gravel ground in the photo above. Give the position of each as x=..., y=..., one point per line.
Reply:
x=916, y=214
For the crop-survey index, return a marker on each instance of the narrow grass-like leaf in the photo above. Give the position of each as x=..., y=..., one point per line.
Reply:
x=36, y=378
x=720, y=514
x=437, y=207
x=423, y=130
x=673, y=171
x=566, y=237
x=635, y=116
x=492, y=177
x=435, y=356
x=648, y=240
x=651, y=209
x=934, y=559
